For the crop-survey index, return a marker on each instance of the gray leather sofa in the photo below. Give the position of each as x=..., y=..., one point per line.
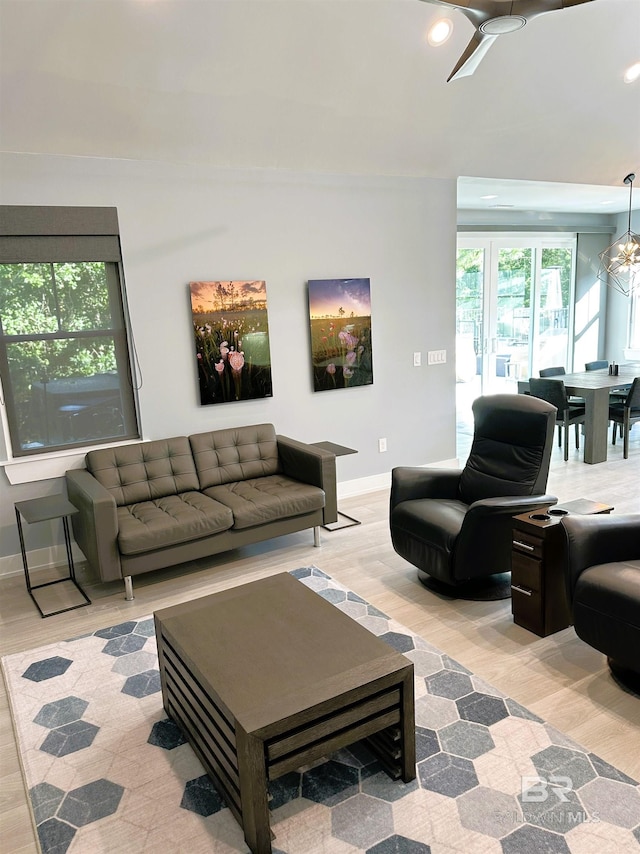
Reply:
x=155, y=504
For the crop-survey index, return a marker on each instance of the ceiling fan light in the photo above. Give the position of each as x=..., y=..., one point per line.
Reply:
x=503, y=24
x=440, y=32
x=632, y=73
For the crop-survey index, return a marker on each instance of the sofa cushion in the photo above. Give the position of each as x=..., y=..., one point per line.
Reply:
x=170, y=520
x=266, y=499
x=227, y=456
x=145, y=471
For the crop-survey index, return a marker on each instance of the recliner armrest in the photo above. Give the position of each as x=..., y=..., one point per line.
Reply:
x=95, y=526
x=408, y=483
x=312, y=465
x=592, y=540
x=512, y=505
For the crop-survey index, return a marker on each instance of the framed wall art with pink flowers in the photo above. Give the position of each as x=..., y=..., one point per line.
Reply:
x=231, y=333
x=340, y=319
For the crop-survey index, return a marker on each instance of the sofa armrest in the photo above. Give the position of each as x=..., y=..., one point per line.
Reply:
x=312, y=465
x=409, y=483
x=95, y=526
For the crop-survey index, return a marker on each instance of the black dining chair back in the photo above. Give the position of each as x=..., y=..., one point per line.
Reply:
x=626, y=413
x=596, y=365
x=552, y=372
x=554, y=392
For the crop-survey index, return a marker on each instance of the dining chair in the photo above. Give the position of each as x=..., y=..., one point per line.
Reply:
x=626, y=413
x=559, y=371
x=596, y=365
x=554, y=392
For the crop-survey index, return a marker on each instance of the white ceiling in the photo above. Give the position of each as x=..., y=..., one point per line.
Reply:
x=546, y=196
x=343, y=86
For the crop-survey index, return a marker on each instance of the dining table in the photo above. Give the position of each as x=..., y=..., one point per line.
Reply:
x=595, y=387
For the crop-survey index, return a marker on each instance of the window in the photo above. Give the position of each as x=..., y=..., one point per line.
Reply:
x=64, y=351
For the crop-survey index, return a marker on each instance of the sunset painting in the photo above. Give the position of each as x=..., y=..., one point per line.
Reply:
x=231, y=335
x=340, y=318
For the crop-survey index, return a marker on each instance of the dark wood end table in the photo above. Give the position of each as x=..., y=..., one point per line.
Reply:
x=539, y=600
x=269, y=676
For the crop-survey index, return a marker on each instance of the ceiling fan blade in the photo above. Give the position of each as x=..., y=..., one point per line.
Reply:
x=472, y=56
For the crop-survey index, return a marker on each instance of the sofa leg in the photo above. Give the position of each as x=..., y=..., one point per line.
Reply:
x=316, y=536
x=128, y=589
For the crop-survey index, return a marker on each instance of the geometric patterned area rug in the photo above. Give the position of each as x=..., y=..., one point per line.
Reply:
x=106, y=771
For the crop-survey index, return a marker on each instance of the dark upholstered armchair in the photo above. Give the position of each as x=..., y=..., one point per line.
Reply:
x=455, y=526
x=603, y=576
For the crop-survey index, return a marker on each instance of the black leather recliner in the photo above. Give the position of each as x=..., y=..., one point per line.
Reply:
x=603, y=580
x=455, y=525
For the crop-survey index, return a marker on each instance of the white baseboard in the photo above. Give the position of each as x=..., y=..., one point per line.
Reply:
x=40, y=559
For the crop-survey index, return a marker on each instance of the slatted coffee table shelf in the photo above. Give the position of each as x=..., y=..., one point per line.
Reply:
x=267, y=677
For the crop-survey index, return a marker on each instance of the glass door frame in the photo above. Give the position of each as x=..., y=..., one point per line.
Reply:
x=491, y=243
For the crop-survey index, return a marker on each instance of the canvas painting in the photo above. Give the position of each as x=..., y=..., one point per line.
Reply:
x=232, y=340
x=340, y=318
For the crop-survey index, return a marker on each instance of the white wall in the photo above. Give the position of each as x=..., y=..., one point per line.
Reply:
x=180, y=223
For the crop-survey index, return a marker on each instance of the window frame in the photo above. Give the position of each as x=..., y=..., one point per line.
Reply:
x=50, y=235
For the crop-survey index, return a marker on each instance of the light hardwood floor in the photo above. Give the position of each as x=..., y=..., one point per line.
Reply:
x=559, y=677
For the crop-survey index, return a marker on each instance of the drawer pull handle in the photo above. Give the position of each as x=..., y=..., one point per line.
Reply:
x=522, y=590
x=523, y=545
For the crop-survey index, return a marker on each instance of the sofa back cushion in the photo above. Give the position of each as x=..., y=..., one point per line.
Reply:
x=145, y=471
x=227, y=456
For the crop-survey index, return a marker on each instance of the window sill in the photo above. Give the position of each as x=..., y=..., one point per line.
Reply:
x=48, y=466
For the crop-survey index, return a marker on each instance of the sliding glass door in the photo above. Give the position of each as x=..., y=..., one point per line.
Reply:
x=514, y=308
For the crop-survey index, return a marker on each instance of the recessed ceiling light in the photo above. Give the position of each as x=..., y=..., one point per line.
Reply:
x=607, y=202
x=632, y=73
x=440, y=32
x=488, y=197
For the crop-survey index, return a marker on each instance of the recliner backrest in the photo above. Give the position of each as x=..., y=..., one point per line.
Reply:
x=511, y=449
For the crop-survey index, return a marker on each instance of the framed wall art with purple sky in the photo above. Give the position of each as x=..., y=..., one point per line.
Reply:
x=340, y=320
x=231, y=333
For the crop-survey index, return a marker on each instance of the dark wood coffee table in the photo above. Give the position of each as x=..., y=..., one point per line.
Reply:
x=269, y=676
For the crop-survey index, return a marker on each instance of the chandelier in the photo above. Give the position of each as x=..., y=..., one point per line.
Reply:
x=620, y=262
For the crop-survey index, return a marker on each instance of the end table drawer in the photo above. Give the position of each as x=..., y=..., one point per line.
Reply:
x=526, y=543
x=526, y=572
x=526, y=607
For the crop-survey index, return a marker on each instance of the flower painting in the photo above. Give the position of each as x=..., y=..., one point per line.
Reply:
x=340, y=317
x=232, y=340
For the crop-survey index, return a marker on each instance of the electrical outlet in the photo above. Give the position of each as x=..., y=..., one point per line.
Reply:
x=382, y=445
x=417, y=360
x=436, y=357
